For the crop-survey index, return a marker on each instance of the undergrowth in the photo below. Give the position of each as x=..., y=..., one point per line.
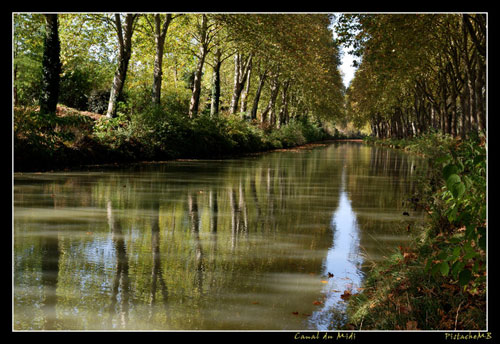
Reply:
x=47, y=142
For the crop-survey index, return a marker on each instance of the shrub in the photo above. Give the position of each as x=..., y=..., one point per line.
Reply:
x=98, y=101
x=290, y=135
x=75, y=89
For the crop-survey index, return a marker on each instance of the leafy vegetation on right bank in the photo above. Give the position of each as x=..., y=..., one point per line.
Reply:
x=439, y=281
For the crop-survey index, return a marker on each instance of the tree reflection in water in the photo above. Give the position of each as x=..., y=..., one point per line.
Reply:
x=231, y=245
x=120, y=290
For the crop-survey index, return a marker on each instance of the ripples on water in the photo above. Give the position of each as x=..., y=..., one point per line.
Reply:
x=241, y=244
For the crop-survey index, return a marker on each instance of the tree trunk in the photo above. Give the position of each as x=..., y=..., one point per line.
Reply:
x=240, y=75
x=125, y=51
x=195, y=97
x=160, y=34
x=272, y=100
x=203, y=45
x=480, y=95
x=214, y=105
x=16, y=96
x=284, y=105
x=244, y=94
x=51, y=66
x=262, y=79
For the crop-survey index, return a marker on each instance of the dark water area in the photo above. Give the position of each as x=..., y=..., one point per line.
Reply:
x=237, y=244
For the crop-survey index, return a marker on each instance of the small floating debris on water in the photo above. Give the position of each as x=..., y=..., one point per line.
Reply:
x=347, y=294
x=330, y=275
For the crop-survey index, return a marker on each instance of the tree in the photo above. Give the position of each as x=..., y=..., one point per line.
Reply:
x=242, y=67
x=28, y=46
x=160, y=32
x=205, y=31
x=51, y=66
x=418, y=72
x=124, y=52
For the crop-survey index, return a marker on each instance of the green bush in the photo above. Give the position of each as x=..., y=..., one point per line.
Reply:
x=459, y=212
x=75, y=89
x=98, y=101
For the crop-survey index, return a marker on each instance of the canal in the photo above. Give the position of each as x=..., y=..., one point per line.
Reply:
x=274, y=241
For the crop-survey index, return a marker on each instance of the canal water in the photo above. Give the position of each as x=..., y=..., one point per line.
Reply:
x=267, y=242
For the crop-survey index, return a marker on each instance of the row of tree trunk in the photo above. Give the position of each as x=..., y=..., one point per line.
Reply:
x=454, y=102
x=243, y=66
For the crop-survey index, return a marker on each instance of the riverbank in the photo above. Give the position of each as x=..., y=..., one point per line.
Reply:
x=438, y=282
x=72, y=139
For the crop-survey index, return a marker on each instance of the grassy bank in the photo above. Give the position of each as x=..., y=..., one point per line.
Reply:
x=438, y=282
x=72, y=138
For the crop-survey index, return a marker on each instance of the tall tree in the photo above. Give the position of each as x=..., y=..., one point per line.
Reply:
x=241, y=70
x=262, y=73
x=124, y=33
x=204, y=34
x=160, y=32
x=51, y=66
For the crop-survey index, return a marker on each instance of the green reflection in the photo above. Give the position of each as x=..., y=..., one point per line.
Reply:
x=233, y=244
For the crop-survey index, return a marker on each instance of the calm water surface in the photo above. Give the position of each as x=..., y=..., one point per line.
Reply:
x=241, y=244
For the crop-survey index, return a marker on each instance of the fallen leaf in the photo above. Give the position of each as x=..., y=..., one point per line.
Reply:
x=404, y=309
x=295, y=313
x=411, y=325
x=323, y=281
x=350, y=327
x=317, y=303
x=347, y=294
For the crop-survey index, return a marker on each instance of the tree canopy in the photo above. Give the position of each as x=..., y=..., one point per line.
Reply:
x=150, y=54
x=419, y=72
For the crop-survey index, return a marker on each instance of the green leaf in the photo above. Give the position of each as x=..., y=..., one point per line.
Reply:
x=443, y=159
x=457, y=268
x=455, y=185
x=448, y=170
x=452, y=180
x=435, y=269
x=444, y=268
x=443, y=255
x=482, y=242
x=464, y=277
x=458, y=190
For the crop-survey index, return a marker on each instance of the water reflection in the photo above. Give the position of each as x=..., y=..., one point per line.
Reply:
x=119, y=305
x=157, y=271
x=342, y=265
x=237, y=244
x=50, y=270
